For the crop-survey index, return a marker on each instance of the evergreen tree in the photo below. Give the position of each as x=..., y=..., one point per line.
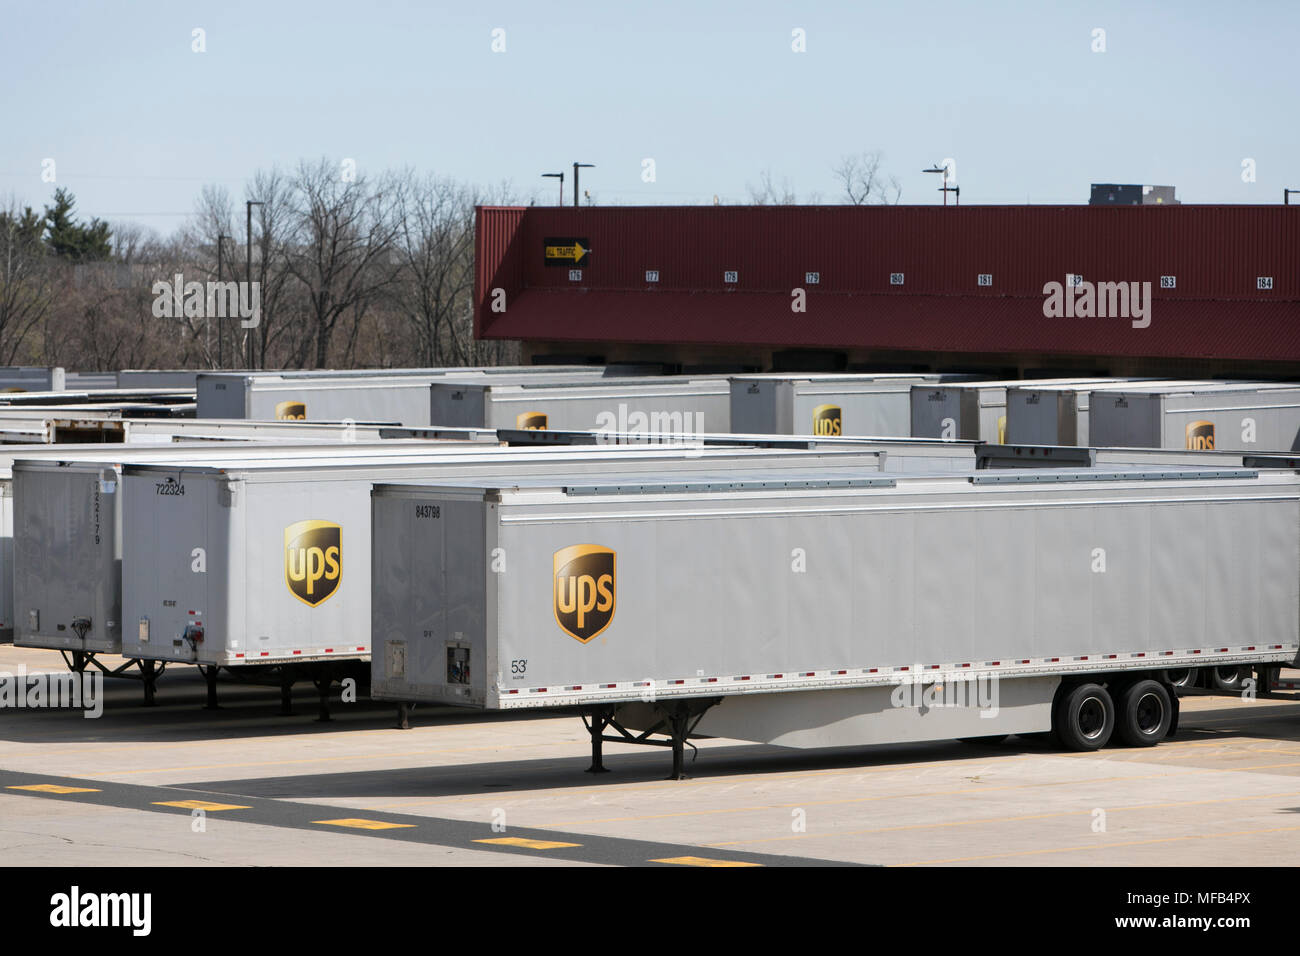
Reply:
x=71, y=240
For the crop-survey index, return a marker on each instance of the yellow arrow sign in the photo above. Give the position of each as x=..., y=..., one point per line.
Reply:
x=574, y=252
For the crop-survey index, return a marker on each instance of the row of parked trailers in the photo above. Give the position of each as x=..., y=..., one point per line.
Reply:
x=767, y=588
x=1085, y=412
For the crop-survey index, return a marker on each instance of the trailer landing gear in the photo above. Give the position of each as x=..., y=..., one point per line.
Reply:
x=286, y=692
x=676, y=721
x=210, y=677
x=403, y=716
x=323, y=683
x=149, y=671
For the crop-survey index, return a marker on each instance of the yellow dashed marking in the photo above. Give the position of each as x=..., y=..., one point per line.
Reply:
x=528, y=844
x=702, y=861
x=357, y=823
x=53, y=788
x=199, y=805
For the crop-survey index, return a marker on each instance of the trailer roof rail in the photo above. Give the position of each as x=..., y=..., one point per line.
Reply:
x=1040, y=477
x=688, y=487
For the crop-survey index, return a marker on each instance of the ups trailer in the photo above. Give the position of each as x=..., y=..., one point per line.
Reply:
x=395, y=395
x=64, y=566
x=971, y=410
x=1256, y=417
x=1051, y=414
x=263, y=565
x=883, y=609
x=828, y=404
x=901, y=454
x=678, y=405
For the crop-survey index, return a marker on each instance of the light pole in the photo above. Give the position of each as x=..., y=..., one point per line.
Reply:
x=944, y=188
x=560, y=177
x=576, y=167
x=221, y=326
x=248, y=219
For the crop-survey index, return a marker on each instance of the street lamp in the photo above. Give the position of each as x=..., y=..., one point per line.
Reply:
x=221, y=326
x=248, y=215
x=576, y=167
x=560, y=177
x=945, y=188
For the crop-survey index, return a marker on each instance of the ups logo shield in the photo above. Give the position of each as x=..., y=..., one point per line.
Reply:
x=828, y=420
x=532, y=421
x=313, y=560
x=1200, y=436
x=584, y=590
x=291, y=411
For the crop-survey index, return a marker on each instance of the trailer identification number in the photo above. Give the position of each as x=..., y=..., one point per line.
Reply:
x=169, y=487
x=428, y=511
x=519, y=667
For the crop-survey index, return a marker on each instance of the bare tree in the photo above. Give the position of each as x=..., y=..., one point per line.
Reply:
x=341, y=249
x=864, y=182
x=26, y=278
x=767, y=193
x=275, y=224
x=436, y=248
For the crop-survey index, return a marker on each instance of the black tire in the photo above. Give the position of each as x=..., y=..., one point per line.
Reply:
x=1181, y=677
x=1227, y=679
x=1145, y=714
x=1084, y=717
x=990, y=739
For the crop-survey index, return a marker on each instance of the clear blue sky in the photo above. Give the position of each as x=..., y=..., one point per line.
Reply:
x=136, y=122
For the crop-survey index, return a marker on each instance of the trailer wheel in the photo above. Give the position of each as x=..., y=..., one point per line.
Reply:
x=1181, y=677
x=1145, y=714
x=1226, y=678
x=1084, y=718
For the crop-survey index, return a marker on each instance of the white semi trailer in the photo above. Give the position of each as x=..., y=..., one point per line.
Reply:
x=1256, y=417
x=398, y=395
x=971, y=410
x=680, y=405
x=828, y=404
x=1039, y=414
x=60, y=539
x=896, y=608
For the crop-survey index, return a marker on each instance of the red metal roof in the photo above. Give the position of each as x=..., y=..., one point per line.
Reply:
x=1215, y=310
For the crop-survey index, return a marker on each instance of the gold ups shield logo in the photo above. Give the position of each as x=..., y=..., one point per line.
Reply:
x=291, y=411
x=584, y=590
x=1200, y=436
x=313, y=560
x=532, y=421
x=828, y=420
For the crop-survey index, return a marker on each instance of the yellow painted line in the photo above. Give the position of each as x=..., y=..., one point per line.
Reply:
x=702, y=861
x=357, y=823
x=199, y=805
x=528, y=844
x=53, y=788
